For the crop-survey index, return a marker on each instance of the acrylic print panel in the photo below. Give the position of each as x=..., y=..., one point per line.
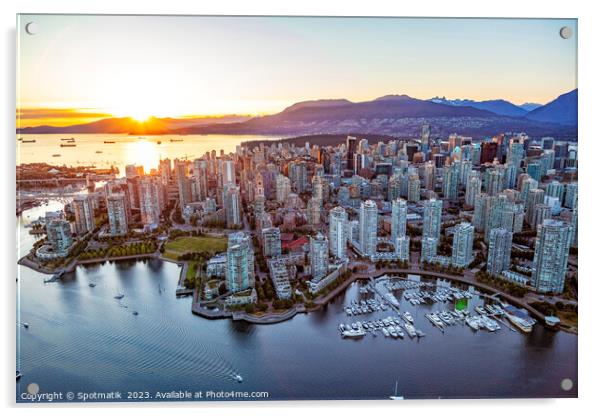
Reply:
x=279, y=208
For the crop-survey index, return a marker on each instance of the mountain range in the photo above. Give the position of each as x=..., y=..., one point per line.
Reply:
x=388, y=115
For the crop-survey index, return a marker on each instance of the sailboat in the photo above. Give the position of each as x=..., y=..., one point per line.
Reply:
x=396, y=397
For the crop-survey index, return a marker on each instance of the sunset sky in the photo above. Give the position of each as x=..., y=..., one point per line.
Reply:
x=82, y=68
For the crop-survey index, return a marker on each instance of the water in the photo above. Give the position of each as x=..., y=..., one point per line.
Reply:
x=126, y=150
x=82, y=339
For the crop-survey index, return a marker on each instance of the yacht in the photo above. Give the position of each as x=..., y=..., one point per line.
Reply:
x=392, y=299
x=119, y=296
x=25, y=325
x=238, y=378
x=408, y=317
x=473, y=322
x=385, y=332
x=354, y=333
x=135, y=313
x=480, y=310
x=92, y=284
x=399, y=331
x=410, y=330
x=489, y=324
x=19, y=375
x=395, y=396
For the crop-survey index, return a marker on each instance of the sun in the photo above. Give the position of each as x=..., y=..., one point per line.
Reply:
x=141, y=116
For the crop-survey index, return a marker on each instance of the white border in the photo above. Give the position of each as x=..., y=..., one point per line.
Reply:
x=590, y=95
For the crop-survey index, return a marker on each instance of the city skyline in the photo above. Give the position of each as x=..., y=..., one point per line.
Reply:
x=157, y=66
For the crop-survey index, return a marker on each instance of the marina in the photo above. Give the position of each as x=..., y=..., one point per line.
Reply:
x=453, y=309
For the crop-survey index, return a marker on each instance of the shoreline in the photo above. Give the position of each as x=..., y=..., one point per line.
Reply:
x=273, y=317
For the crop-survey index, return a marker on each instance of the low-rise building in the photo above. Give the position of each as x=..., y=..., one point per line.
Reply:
x=216, y=265
x=242, y=298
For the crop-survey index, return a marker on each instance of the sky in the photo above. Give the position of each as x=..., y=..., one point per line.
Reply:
x=79, y=68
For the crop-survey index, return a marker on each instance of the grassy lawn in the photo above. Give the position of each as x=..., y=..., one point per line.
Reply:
x=182, y=245
x=191, y=272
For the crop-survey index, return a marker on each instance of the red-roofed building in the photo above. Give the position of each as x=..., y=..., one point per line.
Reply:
x=298, y=245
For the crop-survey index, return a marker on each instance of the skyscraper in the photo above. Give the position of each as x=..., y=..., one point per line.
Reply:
x=428, y=249
x=228, y=172
x=232, y=205
x=431, y=220
x=199, y=170
x=570, y=196
x=555, y=189
x=272, y=246
x=462, y=245
x=149, y=190
x=283, y=188
x=551, y=255
x=534, y=169
x=517, y=153
x=318, y=256
x=298, y=176
x=117, y=213
x=525, y=187
x=451, y=177
x=184, y=183
x=240, y=262
x=413, y=188
x=399, y=214
x=351, y=149
x=535, y=196
x=314, y=211
x=84, y=214
x=494, y=181
x=473, y=188
x=368, y=225
x=500, y=248
x=338, y=232
x=540, y=213
x=425, y=138
x=237, y=272
x=402, y=248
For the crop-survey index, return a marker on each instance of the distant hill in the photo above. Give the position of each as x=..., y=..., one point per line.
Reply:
x=316, y=104
x=394, y=115
x=530, y=106
x=127, y=125
x=562, y=110
x=499, y=107
x=390, y=115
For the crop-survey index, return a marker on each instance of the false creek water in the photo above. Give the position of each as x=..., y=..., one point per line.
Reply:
x=82, y=339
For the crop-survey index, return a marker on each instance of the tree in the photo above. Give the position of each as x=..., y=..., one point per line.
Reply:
x=222, y=290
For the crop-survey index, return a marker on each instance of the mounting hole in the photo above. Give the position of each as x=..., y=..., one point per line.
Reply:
x=566, y=32
x=33, y=388
x=31, y=28
x=566, y=384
